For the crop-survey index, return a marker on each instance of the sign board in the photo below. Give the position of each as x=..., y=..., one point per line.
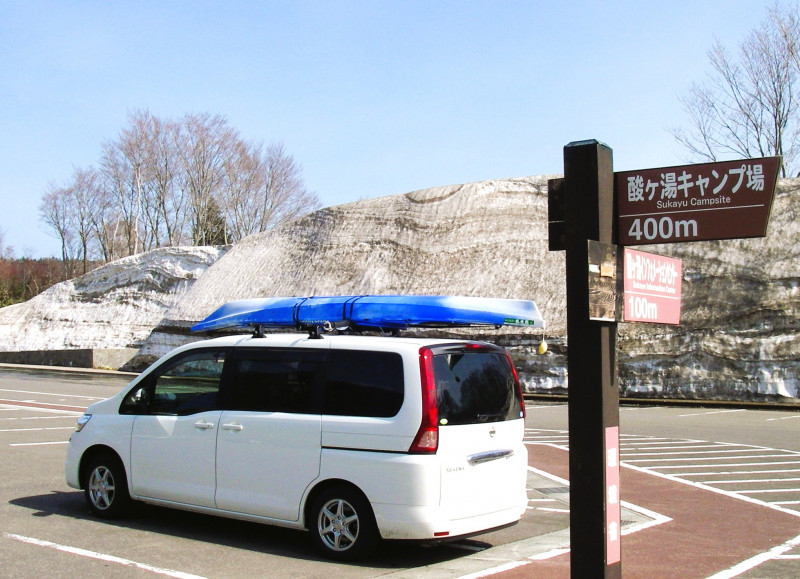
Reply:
x=651, y=288
x=723, y=200
x=603, y=294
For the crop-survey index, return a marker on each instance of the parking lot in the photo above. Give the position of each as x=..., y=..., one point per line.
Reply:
x=47, y=529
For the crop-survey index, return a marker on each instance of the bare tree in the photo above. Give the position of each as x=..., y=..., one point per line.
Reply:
x=205, y=144
x=84, y=210
x=241, y=183
x=122, y=165
x=285, y=196
x=6, y=251
x=262, y=189
x=749, y=106
x=54, y=210
x=166, y=197
x=164, y=182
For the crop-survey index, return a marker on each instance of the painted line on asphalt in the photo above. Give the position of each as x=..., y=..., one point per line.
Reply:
x=767, y=491
x=498, y=569
x=793, y=417
x=52, y=394
x=730, y=472
x=712, y=412
x=770, y=463
x=43, y=406
x=773, y=554
x=698, y=485
x=710, y=458
x=673, y=446
x=686, y=451
x=39, y=443
x=13, y=418
x=748, y=481
x=101, y=556
x=40, y=429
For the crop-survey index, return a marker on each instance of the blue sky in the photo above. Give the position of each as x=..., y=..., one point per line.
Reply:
x=372, y=98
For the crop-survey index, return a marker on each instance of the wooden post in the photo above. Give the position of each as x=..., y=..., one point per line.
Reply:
x=593, y=391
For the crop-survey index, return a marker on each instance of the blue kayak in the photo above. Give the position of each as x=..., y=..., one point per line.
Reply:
x=373, y=312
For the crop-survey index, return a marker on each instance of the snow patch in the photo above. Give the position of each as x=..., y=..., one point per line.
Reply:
x=114, y=306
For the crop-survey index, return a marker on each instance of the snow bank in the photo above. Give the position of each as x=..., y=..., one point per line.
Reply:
x=114, y=306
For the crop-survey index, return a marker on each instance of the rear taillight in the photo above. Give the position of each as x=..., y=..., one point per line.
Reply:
x=517, y=385
x=427, y=439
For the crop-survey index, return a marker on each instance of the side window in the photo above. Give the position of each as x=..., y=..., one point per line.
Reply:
x=267, y=380
x=361, y=383
x=187, y=385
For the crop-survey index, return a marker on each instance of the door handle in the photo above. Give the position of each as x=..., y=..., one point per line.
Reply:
x=233, y=426
x=203, y=425
x=488, y=456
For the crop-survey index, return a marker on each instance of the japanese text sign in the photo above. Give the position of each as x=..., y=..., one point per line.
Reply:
x=724, y=200
x=651, y=288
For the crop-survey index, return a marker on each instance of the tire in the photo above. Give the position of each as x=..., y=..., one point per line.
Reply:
x=343, y=524
x=106, y=487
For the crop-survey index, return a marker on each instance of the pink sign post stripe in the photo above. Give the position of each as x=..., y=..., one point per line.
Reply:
x=613, y=516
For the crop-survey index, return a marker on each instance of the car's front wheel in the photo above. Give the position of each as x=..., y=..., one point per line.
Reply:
x=106, y=488
x=343, y=525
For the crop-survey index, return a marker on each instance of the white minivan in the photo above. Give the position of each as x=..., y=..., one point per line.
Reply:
x=354, y=438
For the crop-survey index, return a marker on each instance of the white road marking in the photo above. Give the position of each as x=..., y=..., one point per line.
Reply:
x=37, y=417
x=39, y=443
x=766, y=491
x=748, y=481
x=495, y=570
x=730, y=472
x=685, y=452
x=711, y=412
x=792, y=417
x=771, y=463
x=53, y=394
x=698, y=485
x=40, y=429
x=709, y=458
x=101, y=557
x=761, y=558
x=9, y=405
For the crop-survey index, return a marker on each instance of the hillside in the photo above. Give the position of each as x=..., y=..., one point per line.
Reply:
x=738, y=336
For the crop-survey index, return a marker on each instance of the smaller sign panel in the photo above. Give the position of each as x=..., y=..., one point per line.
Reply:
x=603, y=294
x=724, y=200
x=651, y=288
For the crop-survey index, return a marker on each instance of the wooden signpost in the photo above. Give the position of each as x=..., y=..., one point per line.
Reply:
x=592, y=211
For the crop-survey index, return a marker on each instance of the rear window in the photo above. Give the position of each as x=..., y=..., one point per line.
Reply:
x=475, y=387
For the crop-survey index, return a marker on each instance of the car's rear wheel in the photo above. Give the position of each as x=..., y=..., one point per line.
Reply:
x=343, y=525
x=106, y=487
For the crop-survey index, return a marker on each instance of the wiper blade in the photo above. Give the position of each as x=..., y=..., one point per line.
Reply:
x=488, y=417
